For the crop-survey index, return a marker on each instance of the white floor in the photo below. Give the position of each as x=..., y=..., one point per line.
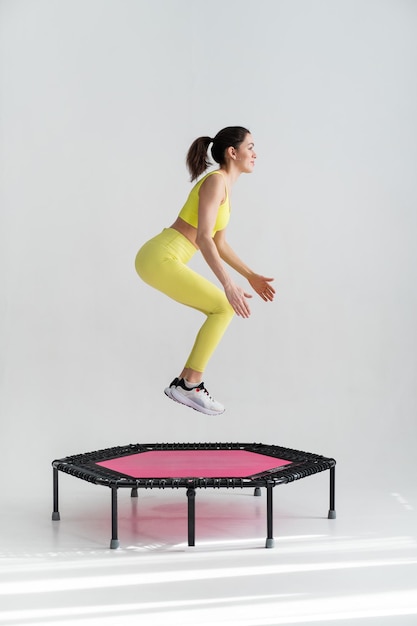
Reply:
x=360, y=568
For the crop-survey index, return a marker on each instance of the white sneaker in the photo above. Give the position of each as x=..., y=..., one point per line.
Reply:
x=168, y=390
x=197, y=398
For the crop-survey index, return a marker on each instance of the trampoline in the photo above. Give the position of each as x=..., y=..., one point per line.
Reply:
x=193, y=466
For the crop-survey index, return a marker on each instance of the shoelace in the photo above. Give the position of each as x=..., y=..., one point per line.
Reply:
x=202, y=388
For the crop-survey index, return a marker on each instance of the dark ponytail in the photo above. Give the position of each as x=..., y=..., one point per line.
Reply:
x=197, y=161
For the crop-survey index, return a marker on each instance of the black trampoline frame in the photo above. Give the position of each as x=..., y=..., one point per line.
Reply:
x=84, y=466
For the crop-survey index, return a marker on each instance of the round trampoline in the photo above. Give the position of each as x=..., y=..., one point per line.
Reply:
x=192, y=467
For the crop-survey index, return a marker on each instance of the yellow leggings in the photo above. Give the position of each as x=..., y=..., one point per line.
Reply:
x=161, y=262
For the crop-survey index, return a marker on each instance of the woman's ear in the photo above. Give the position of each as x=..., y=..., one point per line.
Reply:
x=231, y=153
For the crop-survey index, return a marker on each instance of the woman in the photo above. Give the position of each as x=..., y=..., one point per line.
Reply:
x=201, y=225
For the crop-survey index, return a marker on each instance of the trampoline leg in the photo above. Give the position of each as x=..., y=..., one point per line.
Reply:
x=269, y=517
x=114, y=540
x=191, y=516
x=332, y=510
x=55, y=514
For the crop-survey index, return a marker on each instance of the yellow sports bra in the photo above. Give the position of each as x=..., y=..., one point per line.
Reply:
x=189, y=212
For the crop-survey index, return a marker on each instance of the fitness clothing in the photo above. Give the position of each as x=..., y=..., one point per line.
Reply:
x=189, y=212
x=162, y=263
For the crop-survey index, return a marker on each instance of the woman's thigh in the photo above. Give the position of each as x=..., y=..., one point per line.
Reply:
x=186, y=286
x=162, y=263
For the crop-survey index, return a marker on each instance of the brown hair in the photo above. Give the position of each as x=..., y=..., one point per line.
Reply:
x=197, y=160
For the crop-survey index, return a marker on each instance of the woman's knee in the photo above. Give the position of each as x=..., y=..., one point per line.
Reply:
x=223, y=308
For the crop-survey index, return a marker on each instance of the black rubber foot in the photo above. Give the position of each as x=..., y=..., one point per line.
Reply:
x=257, y=491
x=56, y=516
x=134, y=493
x=332, y=514
x=270, y=543
x=114, y=543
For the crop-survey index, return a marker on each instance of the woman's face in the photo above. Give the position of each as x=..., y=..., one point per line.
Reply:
x=246, y=155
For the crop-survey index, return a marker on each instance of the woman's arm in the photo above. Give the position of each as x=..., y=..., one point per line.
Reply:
x=259, y=283
x=212, y=193
x=229, y=256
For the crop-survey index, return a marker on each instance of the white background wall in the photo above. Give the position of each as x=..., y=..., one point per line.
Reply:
x=100, y=100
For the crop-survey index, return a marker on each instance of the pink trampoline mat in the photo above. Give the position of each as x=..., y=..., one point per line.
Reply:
x=193, y=464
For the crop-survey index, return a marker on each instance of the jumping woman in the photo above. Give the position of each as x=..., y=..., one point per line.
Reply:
x=201, y=225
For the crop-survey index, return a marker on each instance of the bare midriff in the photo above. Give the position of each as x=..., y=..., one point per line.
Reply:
x=185, y=229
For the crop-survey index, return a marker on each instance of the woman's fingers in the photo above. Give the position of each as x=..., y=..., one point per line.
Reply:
x=242, y=307
x=267, y=291
x=261, y=284
x=237, y=298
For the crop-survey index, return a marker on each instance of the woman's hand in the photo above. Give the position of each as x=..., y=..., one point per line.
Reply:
x=261, y=285
x=237, y=298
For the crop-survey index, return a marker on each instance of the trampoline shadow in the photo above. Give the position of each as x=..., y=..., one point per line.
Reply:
x=150, y=521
